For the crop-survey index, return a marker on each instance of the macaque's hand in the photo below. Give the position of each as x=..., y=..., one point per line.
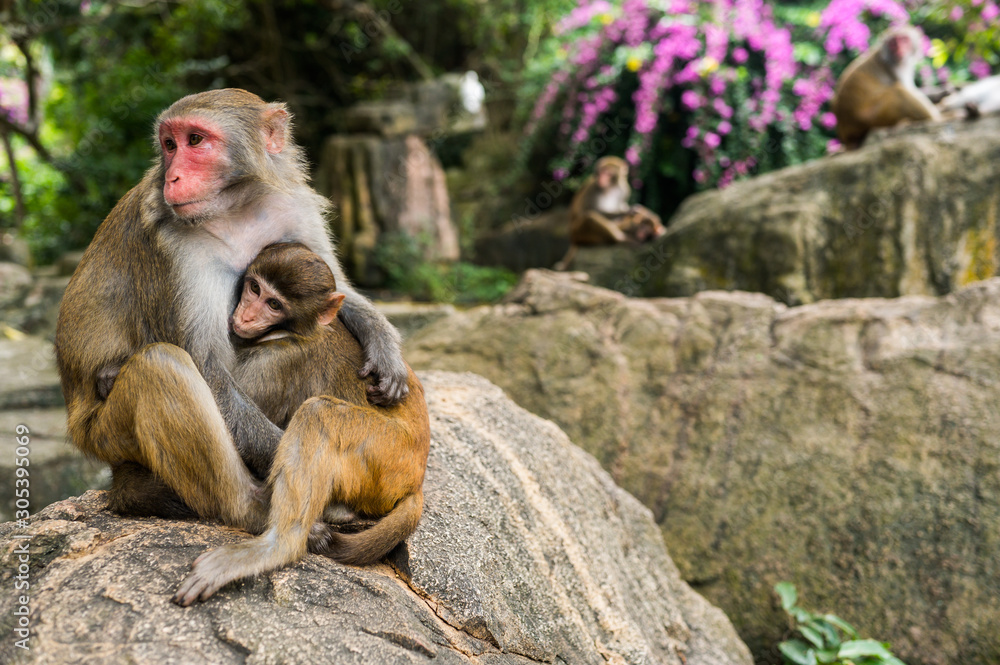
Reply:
x=390, y=375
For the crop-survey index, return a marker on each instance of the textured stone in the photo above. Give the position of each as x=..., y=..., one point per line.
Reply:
x=848, y=446
x=15, y=279
x=916, y=211
x=385, y=185
x=527, y=552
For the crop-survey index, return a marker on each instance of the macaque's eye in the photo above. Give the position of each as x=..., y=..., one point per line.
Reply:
x=274, y=304
x=195, y=139
x=169, y=145
x=254, y=287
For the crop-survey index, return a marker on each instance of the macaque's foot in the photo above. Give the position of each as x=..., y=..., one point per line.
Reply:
x=209, y=573
x=320, y=538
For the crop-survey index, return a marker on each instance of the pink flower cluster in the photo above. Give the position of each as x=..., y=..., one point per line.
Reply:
x=842, y=20
x=726, y=67
x=14, y=100
x=696, y=48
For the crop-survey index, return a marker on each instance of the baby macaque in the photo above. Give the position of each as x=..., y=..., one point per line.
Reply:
x=367, y=461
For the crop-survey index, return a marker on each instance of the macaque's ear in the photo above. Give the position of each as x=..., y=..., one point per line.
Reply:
x=332, y=307
x=274, y=126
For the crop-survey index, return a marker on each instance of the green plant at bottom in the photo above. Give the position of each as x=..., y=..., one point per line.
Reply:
x=826, y=638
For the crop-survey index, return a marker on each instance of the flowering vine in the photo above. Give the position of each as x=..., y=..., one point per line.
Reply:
x=729, y=68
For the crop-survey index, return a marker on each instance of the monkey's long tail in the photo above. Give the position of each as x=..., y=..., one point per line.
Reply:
x=372, y=544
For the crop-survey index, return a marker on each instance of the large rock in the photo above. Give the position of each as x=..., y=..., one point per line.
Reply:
x=917, y=211
x=384, y=186
x=37, y=309
x=30, y=398
x=527, y=552
x=848, y=446
x=15, y=280
x=431, y=108
x=538, y=241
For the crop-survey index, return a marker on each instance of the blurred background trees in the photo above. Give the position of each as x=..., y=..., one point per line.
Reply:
x=694, y=93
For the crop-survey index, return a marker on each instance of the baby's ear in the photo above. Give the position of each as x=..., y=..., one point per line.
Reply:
x=332, y=307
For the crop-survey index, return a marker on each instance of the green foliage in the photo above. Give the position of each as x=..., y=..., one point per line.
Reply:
x=41, y=184
x=965, y=36
x=108, y=70
x=826, y=638
x=401, y=258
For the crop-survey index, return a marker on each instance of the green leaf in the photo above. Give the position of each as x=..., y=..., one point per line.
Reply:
x=798, y=652
x=801, y=615
x=856, y=648
x=830, y=634
x=789, y=596
x=827, y=656
x=843, y=625
x=813, y=636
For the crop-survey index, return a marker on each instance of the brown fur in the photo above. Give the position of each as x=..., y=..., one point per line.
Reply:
x=338, y=450
x=877, y=89
x=600, y=215
x=142, y=342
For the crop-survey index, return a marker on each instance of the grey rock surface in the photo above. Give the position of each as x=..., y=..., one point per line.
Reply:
x=849, y=446
x=914, y=212
x=527, y=552
x=385, y=186
x=409, y=317
x=14, y=281
x=33, y=306
x=30, y=396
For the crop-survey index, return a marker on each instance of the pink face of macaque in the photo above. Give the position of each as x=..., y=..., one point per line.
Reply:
x=197, y=163
x=605, y=177
x=260, y=309
x=900, y=47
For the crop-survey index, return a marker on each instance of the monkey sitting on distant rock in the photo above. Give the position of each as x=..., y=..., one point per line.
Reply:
x=601, y=215
x=877, y=89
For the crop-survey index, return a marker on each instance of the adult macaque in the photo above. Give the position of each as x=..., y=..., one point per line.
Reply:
x=142, y=341
x=600, y=213
x=877, y=89
x=338, y=450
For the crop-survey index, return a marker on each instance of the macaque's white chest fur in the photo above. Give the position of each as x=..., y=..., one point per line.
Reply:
x=213, y=256
x=613, y=201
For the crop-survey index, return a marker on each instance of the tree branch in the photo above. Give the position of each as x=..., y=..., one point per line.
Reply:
x=9, y=126
x=15, y=181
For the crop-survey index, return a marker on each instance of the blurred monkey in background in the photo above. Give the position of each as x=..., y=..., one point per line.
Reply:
x=877, y=89
x=600, y=213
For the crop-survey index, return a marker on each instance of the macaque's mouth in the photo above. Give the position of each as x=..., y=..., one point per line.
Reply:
x=175, y=206
x=239, y=332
